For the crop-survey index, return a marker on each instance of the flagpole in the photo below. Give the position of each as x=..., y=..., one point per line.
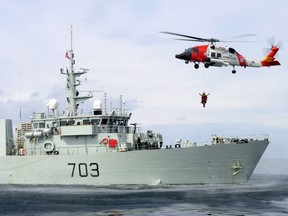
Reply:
x=71, y=37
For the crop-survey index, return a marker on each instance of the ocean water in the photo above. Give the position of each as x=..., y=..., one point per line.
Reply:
x=265, y=194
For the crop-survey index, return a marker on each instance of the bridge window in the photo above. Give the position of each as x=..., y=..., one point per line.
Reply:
x=104, y=121
x=121, y=122
x=86, y=121
x=71, y=122
x=95, y=121
x=41, y=125
x=63, y=123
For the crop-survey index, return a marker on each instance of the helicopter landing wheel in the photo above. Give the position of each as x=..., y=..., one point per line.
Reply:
x=206, y=65
x=196, y=66
x=233, y=71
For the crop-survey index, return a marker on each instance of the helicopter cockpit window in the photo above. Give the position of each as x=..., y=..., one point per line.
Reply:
x=218, y=55
x=194, y=50
x=213, y=55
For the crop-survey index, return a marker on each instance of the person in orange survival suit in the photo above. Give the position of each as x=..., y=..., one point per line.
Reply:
x=204, y=98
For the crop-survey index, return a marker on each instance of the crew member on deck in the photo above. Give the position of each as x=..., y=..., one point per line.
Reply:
x=204, y=98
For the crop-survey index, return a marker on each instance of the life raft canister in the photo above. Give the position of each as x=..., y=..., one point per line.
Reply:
x=48, y=146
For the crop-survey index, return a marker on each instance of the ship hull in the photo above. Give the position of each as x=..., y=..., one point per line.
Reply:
x=193, y=165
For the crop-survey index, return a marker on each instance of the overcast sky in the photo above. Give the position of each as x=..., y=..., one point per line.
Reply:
x=119, y=41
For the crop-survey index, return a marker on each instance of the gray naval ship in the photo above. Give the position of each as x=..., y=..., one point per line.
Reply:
x=103, y=148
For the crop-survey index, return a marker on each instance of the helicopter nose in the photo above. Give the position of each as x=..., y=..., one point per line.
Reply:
x=183, y=56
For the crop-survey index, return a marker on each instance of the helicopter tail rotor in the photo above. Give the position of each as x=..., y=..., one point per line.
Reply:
x=269, y=59
x=273, y=44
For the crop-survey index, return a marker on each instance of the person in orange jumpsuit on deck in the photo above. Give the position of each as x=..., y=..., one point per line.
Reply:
x=204, y=98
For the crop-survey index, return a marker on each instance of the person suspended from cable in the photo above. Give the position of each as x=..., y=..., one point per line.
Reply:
x=204, y=98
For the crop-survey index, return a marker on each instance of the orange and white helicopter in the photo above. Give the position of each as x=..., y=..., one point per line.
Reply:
x=219, y=56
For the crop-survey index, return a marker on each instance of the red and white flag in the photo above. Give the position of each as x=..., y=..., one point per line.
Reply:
x=67, y=55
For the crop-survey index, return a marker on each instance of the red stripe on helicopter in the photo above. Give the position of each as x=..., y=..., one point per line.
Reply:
x=241, y=60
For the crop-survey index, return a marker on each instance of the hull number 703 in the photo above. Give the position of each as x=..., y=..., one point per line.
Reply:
x=84, y=169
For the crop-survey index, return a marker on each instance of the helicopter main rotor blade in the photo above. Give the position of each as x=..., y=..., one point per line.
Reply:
x=182, y=39
x=187, y=36
x=232, y=41
x=241, y=36
x=211, y=40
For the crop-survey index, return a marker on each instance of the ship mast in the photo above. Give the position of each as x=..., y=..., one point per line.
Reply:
x=72, y=95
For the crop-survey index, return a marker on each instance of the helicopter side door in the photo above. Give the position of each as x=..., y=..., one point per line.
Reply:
x=215, y=55
x=230, y=56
